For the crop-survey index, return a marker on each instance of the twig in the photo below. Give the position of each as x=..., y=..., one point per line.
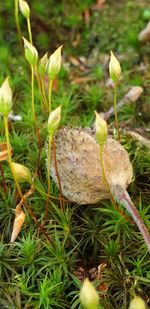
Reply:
x=132, y=96
x=139, y=138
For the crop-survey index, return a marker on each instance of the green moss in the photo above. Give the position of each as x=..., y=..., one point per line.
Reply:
x=35, y=273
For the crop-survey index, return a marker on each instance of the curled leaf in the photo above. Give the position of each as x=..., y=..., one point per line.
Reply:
x=18, y=222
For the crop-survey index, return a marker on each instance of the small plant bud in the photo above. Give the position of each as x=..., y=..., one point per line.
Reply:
x=31, y=53
x=137, y=303
x=54, y=120
x=54, y=64
x=88, y=295
x=22, y=173
x=114, y=68
x=42, y=65
x=5, y=98
x=24, y=8
x=101, y=129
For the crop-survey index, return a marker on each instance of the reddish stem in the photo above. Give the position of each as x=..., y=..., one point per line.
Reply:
x=57, y=174
x=123, y=198
x=3, y=179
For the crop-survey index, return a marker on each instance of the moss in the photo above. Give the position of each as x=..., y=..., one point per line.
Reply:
x=33, y=272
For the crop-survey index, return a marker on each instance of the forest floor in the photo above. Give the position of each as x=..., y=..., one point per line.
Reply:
x=92, y=241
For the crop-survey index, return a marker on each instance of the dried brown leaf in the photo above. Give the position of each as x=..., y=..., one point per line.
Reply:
x=18, y=222
x=74, y=61
x=144, y=35
x=79, y=80
x=4, y=152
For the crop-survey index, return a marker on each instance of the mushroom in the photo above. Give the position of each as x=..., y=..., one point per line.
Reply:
x=78, y=165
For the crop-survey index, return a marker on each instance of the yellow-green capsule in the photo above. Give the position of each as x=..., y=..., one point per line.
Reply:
x=137, y=303
x=54, y=120
x=54, y=64
x=101, y=129
x=24, y=8
x=89, y=296
x=5, y=98
x=114, y=68
x=22, y=172
x=31, y=53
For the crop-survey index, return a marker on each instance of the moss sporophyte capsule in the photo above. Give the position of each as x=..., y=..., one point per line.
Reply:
x=24, y=8
x=31, y=53
x=137, y=303
x=22, y=172
x=101, y=129
x=54, y=120
x=54, y=64
x=5, y=98
x=114, y=68
x=89, y=296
